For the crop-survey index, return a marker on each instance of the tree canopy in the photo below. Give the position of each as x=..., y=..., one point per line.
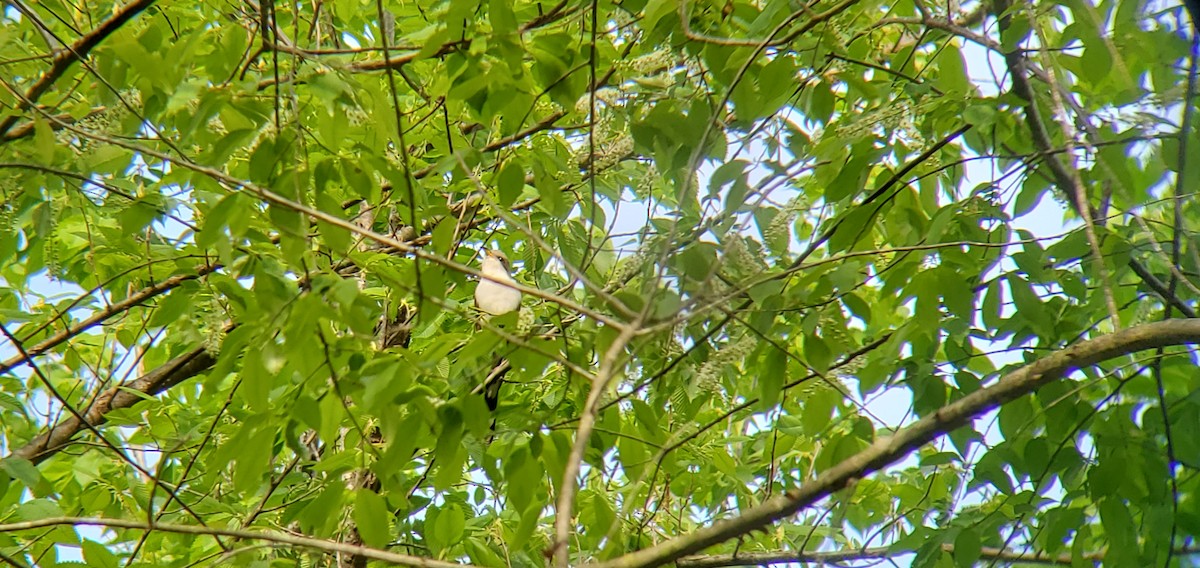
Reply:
x=841, y=281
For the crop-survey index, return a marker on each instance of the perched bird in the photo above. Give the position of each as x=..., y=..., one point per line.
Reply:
x=495, y=298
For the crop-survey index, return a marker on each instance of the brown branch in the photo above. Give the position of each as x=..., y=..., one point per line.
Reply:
x=268, y=536
x=99, y=317
x=944, y=25
x=809, y=24
x=1065, y=175
x=233, y=184
x=889, y=449
x=876, y=553
x=77, y=51
x=154, y=382
x=399, y=61
x=566, y=496
x=27, y=129
x=1060, y=174
x=160, y=379
x=47, y=444
x=402, y=60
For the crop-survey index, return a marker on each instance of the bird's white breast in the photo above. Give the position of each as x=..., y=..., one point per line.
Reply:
x=495, y=298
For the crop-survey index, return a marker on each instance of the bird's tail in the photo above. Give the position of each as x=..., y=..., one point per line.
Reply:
x=491, y=390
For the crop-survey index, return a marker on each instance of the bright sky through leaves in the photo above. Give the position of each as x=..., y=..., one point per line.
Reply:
x=239, y=244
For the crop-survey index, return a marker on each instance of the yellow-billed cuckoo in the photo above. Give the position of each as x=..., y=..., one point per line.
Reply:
x=495, y=299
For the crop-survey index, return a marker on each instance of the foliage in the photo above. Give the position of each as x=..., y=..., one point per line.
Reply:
x=756, y=240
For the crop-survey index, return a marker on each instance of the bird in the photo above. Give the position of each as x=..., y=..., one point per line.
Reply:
x=495, y=298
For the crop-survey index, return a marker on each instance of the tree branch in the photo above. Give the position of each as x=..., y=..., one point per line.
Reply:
x=1065, y=175
x=233, y=184
x=160, y=379
x=268, y=536
x=890, y=449
x=784, y=557
x=75, y=52
x=587, y=422
x=99, y=317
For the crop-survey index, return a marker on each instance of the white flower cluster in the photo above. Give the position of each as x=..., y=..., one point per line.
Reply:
x=6, y=210
x=731, y=353
x=217, y=126
x=650, y=63
x=611, y=151
x=266, y=131
x=525, y=321
x=888, y=117
x=212, y=326
x=645, y=184
x=606, y=96
x=629, y=267
x=609, y=96
x=781, y=225
x=355, y=116
x=851, y=368
x=739, y=258
x=51, y=247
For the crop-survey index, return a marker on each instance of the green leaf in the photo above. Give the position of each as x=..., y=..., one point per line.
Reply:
x=43, y=137
x=967, y=548
x=817, y=353
x=952, y=71
x=97, y=555
x=25, y=472
x=1032, y=190
x=372, y=518
x=853, y=228
x=818, y=409
x=219, y=218
x=1120, y=533
x=449, y=453
x=253, y=453
x=321, y=514
x=511, y=183
x=981, y=116
x=449, y=525
x=772, y=377
x=501, y=15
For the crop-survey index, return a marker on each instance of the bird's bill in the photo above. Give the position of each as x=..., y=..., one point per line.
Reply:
x=498, y=256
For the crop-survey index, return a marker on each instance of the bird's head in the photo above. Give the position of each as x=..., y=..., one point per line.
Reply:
x=497, y=256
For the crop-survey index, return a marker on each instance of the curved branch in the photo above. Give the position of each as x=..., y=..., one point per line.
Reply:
x=1068, y=180
x=77, y=51
x=890, y=449
x=566, y=497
